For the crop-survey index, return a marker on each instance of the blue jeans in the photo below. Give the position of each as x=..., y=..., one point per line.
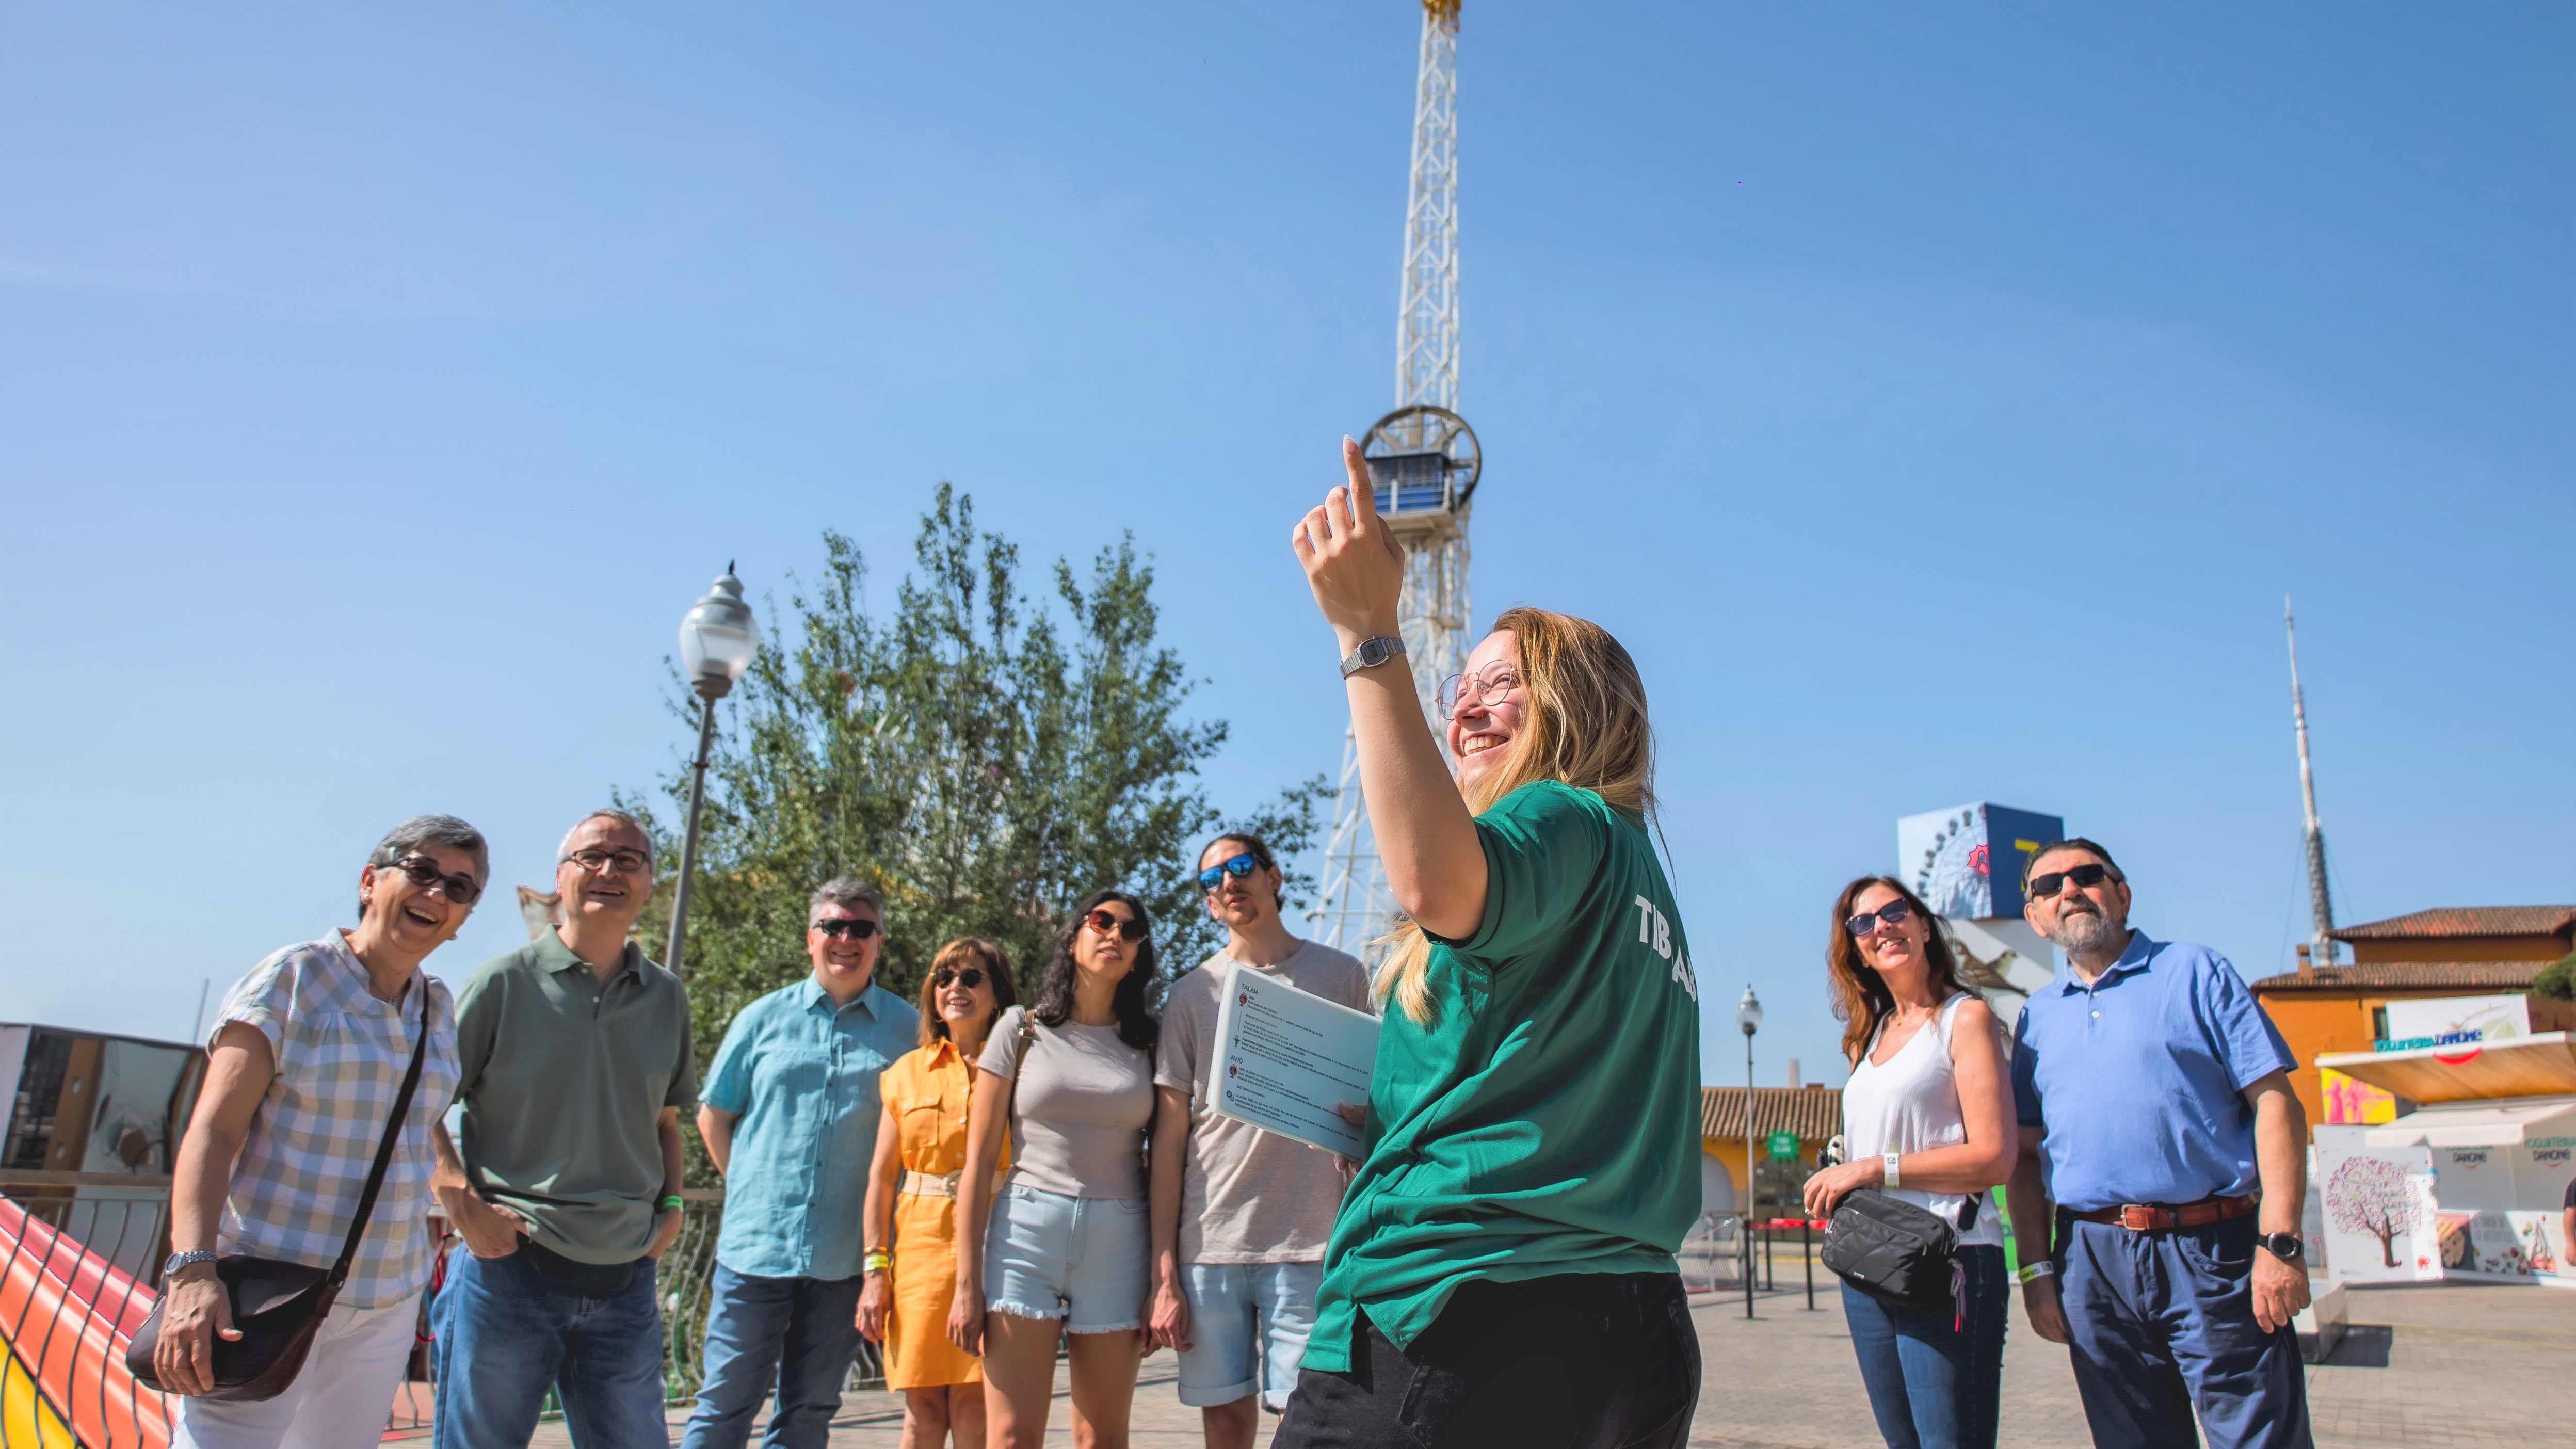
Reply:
x=1248, y=1327
x=504, y=1337
x=800, y=1334
x=2163, y=1323
x=1935, y=1379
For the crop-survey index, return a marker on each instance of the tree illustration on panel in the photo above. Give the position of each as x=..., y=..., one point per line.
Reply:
x=2368, y=1195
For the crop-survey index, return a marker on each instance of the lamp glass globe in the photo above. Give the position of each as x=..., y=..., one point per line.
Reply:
x=718, y=638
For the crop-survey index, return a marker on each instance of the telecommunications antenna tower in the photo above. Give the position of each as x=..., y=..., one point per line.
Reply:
x=2321, y=945
x=1424, y=462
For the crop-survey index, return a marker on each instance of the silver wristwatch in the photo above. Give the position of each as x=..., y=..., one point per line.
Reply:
x=177, y=1261
x=1371, y=654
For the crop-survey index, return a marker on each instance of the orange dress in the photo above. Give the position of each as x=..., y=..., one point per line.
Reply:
x=927, y=1091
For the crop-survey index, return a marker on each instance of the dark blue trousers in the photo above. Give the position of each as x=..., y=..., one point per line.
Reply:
x=2163, y=1323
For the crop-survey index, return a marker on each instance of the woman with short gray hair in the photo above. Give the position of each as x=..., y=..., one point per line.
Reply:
x=305, y=1070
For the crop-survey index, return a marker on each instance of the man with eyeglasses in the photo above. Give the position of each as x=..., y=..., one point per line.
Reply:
x=577, y=1063
x=2156, y=1114
x=790, y=1115
x=1239, y=1233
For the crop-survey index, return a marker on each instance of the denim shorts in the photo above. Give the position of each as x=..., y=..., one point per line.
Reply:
x=1081, y=1259
x=1248, y=1327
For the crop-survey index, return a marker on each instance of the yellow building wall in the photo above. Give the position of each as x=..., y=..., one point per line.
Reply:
x=1727, y=1153
x=2320, y=1021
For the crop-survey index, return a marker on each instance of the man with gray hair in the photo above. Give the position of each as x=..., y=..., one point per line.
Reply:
x=790, y=1115
x=576, y=1063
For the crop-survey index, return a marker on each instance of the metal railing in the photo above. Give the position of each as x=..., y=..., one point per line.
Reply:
x=1718, y=1251
x=1711, y=1254
x=79, y=1272
x=67, y=1309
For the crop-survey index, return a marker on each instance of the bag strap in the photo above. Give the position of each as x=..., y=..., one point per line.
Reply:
x=1019, y=1063
x=385, y=1149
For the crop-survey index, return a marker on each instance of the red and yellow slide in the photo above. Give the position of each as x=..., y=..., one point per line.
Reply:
x=65, y=1317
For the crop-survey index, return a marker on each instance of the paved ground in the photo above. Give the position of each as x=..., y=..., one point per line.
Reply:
x=2439, y=1365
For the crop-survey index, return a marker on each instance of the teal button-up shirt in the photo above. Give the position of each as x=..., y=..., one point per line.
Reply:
x=802, y=1076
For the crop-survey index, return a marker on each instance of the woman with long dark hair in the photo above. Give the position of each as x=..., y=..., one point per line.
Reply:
x=1067, y=1244
x=1928, y=1120
x=1501, y=1270
x=910, y=1217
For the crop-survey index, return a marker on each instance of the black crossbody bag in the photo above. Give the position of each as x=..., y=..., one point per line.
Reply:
x=279, y=1306
x=1897, y=1253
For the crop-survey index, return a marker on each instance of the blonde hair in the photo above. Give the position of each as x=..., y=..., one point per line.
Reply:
x=1585, y=726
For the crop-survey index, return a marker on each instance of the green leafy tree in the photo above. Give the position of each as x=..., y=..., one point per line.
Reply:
x=2557, y=980
x=984, y=762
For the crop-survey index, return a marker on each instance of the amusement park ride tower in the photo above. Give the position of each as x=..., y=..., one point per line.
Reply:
x=1424, y=462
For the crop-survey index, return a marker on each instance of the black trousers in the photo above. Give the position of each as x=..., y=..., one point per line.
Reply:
x=1575, y=1361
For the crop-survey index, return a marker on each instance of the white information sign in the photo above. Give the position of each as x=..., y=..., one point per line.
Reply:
x=1285, y=1059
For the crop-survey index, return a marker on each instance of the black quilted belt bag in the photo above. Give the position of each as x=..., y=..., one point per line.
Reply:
x=1902, y=1255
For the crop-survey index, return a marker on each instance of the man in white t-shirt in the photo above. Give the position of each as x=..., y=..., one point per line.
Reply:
x=1239, y=1237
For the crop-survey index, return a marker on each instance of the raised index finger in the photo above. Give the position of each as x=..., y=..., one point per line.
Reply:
x=1363, y=487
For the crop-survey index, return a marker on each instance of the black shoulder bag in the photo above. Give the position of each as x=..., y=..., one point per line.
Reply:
x=279, y=1306
x=1897, y=1253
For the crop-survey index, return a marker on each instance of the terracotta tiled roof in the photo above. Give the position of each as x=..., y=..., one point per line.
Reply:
x=2464, y=921
x=1813, y=1113
x=2385, y=975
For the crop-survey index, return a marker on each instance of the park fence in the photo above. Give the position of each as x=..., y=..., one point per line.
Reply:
x=80, y=1268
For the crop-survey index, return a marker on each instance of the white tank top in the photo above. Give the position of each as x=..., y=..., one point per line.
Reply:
x=1912, y=1105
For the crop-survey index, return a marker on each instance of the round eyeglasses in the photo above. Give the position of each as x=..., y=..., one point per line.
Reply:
x=1491, y=686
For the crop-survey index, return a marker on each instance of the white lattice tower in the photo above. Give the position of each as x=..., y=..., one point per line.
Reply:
x=1426, y=329
x=1355, y=907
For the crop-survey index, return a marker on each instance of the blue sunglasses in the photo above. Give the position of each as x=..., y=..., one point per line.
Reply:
x=1239, y=867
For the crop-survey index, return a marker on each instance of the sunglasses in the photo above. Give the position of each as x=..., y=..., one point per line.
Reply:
x=970, y=978
x=1106, y=924
x=1893, y=913
x=1239, y=867
x=2042, y=887
x=842, y=928
x=620, y=862
x=424, y=873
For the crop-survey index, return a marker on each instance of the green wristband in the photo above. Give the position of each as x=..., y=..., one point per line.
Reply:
x=670, y=1202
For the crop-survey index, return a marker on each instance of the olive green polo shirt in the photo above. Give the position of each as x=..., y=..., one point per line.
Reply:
x=564, y=1078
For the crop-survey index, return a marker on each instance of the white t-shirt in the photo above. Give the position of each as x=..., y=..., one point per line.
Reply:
x=1911, y=1104
x=1249, y=1196
x=1079, y=1112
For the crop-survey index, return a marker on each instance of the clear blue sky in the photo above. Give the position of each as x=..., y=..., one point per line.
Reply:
x=1939, y=404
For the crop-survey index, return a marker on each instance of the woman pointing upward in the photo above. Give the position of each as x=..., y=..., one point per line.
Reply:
x=1502, y=1269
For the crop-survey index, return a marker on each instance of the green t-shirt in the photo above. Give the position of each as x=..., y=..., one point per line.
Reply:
x=1547, y=1121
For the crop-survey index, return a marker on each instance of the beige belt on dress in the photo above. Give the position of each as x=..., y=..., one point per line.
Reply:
x=923, y=1184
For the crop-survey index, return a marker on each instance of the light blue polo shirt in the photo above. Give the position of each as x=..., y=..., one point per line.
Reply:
x=803, y=1076
x=2137, y=1078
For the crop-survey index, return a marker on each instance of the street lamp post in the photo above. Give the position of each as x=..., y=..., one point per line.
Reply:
x=1748, y=1015
x=717, y=642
